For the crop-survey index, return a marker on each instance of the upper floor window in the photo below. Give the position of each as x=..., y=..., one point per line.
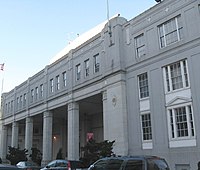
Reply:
x=41, y=91
x=20, y=101
x=11, y=105
x=64, y=75
x=24, y=103
x=140, y=45
x=96, y=63
x=143, y=85
x=17, y=102
x=176, y=76
x=8, y=107
x=51, y=85
x=170, y=31
x=36, y=93
x=32, y=95
x=181, y=122
x=86, y=67
x=78, y=72
x=57, y=82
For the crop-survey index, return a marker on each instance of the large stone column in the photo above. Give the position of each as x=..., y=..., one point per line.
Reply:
x=115, y=117
x=47, y=137
x=29, y=134
x=15, y=134
x=73, y=131
x=3, y=142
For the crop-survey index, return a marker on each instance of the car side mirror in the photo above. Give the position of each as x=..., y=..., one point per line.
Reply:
x=92, y=167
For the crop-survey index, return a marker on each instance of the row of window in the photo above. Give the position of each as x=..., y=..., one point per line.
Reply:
x=180, y=120
x=60, y=82
x=96, y=67
x=175, y=77
x=170, y=32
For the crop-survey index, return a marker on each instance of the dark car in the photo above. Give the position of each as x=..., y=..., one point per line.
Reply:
x=27, y=165
x=130, y=163
x=62, y=164
x=8, y=167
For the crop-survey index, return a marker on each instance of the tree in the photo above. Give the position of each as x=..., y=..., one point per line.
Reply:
x=15, y=155
x=93, y=151
x=36, y=156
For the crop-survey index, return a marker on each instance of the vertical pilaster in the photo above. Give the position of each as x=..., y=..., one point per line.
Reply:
x=115, y=117
x=29, y=134
x=73, y=131
x=47, y=137
x=15, y=134
x=105, y=112
x=3, y=144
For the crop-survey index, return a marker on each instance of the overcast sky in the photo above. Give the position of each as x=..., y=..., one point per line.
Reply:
x=32, y=32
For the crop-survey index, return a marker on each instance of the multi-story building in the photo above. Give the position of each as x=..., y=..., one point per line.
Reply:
x=135, y=82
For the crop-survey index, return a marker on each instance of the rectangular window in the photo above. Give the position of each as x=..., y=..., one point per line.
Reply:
x=8, y=107
x=181, y=122
x=140, y=45
x=17, y=103
x=24, y=103
x=12, y=106
x=143, y=85
x=146, y=127
x=36, y=93
x=20, y=101
x=176, y=76
x=32, y=95
x=57, y=82
x=96, y=63
x=64, y=75
x=87, y=68
x=51, y=85
x=78, y=72
x=41, y=91
x=170, y=31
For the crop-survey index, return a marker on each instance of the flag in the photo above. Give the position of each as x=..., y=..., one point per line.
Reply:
x=2, y=66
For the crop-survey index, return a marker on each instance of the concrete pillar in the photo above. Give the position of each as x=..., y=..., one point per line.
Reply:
x=15, y=134
x=29, y=134
x=3, y=143
x=73, y=131
x=47, y=137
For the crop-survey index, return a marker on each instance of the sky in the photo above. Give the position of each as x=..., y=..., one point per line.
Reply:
x=32, y=32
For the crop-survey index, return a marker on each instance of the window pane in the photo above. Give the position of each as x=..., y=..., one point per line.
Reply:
x=170, y=31
x=146, y=126
x=143, y=85
x=181, y=122
x=140, y=45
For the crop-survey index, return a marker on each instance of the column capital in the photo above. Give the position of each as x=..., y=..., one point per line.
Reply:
x=29, y=120
x=47, y=114
x=104, y=97
x=73, y=106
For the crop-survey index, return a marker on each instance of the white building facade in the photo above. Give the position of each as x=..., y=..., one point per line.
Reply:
x=136, y=83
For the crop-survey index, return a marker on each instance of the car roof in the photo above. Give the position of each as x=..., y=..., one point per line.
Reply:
x=132, y=157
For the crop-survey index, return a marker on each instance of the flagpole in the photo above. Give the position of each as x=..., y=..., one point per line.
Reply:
x=109, y=26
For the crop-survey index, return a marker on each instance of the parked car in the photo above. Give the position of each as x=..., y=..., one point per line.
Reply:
x=8, y=167
x=62, y=164
x=27, y=165
x=130, y=163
